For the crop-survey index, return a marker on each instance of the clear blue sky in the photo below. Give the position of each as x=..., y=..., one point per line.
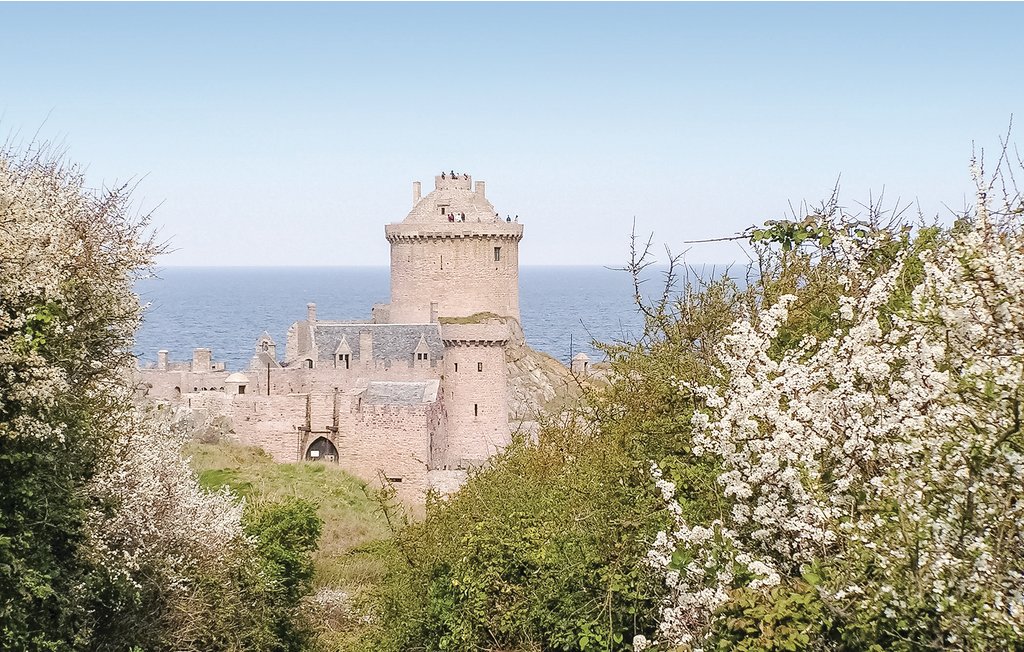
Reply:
x=287, y=134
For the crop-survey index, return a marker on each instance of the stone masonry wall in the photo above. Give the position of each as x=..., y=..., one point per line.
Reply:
x=460, y=274
x=371, y=440
x=327, y=378
x=475, y=402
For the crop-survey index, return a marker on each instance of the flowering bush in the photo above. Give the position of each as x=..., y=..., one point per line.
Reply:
x=68, y=257
x=106, y=539
x=878, y=460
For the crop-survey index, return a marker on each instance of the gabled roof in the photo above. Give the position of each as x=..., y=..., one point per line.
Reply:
x=343, y=347
x=265, y=337
x=394, y=342
x=422, y=346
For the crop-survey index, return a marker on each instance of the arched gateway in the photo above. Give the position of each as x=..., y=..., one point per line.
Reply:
x=322, y=450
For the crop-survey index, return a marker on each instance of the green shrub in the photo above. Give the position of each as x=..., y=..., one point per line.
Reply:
x=538, y=551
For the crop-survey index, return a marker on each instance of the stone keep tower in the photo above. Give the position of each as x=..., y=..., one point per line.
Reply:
x=444, y=268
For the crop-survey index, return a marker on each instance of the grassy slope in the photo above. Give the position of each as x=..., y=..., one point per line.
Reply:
x=352, y=520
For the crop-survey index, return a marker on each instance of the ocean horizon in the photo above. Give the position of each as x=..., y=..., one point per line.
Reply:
x=564, y=308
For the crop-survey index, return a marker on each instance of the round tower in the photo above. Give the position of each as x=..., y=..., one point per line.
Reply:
x=453, y=255
x=474, y=392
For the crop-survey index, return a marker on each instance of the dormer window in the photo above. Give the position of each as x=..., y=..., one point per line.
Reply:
x=343, y=359
x=309, y=364
x=422, y=356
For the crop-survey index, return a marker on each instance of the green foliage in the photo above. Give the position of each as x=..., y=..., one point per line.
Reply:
x=344, y=505
x=41, y=532
x=788, y=617
x=38, y=324
x=350, y=555
x=539, y=551
x=475, y=318
x=286, y=535
x=789, y=234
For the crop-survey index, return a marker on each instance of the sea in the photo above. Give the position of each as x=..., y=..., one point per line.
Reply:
x=564, y=310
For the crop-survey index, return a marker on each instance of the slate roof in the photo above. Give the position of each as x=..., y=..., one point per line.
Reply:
x=394, y=342
x=379, y=392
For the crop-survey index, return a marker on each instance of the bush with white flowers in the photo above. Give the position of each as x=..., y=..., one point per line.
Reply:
x=107, y=541
x=881, y=464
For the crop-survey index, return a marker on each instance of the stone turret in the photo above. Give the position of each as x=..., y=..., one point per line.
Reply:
x=580, y=365
x=201, y=360
x=476, y=384
x=453, y=250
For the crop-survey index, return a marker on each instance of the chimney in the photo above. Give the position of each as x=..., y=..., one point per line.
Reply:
x=161, y=359
x=480, y=189
x=415, y=192
x=366, y=347
x=311, y=313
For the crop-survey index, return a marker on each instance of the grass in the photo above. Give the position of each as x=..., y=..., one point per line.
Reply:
x=476, y=318
x=353, y=524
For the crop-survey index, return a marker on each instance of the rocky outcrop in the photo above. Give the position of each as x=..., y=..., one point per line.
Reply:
x=538, y=384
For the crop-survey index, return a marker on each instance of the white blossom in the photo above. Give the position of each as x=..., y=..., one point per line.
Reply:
x=896, y=428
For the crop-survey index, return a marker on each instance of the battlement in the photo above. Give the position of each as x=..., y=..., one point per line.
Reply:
x=484, y=228
x=485, y=334
x=461, y=181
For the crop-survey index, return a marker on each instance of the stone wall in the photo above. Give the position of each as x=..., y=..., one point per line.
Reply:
x=474, y=393
x=173, y=384
x=453, y=266
x=328, y=378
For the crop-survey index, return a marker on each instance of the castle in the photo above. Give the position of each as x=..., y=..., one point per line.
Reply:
x=414, y=396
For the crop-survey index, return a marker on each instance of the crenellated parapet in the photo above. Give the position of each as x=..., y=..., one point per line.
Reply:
x=460, y=181
x=491, y=229
x=496, y=334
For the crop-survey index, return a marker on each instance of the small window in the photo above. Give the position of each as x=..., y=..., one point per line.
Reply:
x=479, y=366
x=241, y=389
x=266, y=347
x=343, y=358
x=442, y=209
x=476, y=410
x=309, y=364
x=393, y=480
x=497, y=254
x=456, y=366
